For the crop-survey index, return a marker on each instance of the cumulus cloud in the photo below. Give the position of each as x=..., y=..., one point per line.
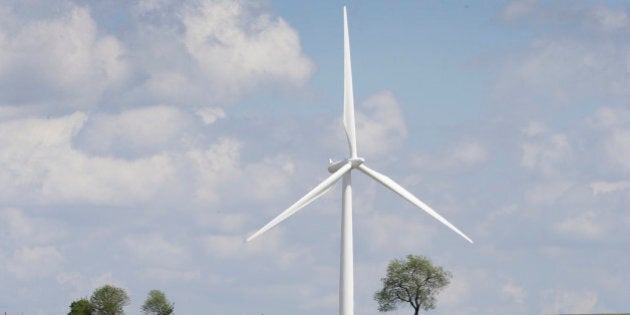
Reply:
x=268, y=47
x=557, y=71
x=609, y=117
x=548, y=192
x=608, y=20
x=142, y=131
x=565, y=70
x=238, y=51
x=393, y=233
x=545, y=153
x=24, y=229
x=585, y=225
x=41, y=165
x=462, y=154
x=560, y=301
x=609, y=187
x=60, y=60
x=81, y=283
x=153, y=250
x=381, y=127
x=613, y=126
x=517, y=9
x=166, y=275
x=618, y=148
x=514, y=292
x=34, y=262
x=456, y=293
x=219, y=170
x=182, y=53
x=214, y=167
x=210, y=114
x=234, y=247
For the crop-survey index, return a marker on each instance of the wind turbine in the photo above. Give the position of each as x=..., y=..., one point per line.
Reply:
x=343, y=170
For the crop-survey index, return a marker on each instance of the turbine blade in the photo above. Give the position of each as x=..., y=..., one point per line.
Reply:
x=348, y=94
x=311, y=196
x=392, y=185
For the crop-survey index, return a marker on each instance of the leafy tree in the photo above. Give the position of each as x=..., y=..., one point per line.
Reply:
x=81, y=307
x=157, y=304
x=415, y=281
x=109, y=300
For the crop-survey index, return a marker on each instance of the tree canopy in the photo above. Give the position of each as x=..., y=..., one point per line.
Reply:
x=109, y=300
x=414, y=281
x=81, y=307
x=157, y=304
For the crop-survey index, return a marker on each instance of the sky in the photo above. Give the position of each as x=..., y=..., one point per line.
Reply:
x=142, y=141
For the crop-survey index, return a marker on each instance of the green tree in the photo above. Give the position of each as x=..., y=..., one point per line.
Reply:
x=81, y=307
x=415, y=281
x=109, y=300
x=157, y=304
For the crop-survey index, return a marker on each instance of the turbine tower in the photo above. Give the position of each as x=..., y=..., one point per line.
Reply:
x=343, y=170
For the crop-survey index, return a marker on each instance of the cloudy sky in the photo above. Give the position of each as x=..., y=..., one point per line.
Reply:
x=142, y=141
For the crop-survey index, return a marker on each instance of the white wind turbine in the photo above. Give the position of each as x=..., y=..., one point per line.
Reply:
x=343, y=169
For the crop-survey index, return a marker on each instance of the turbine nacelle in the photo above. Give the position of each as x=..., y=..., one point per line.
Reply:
x=335, y=166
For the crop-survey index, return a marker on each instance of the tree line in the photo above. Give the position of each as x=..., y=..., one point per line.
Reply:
x=110, y=300
x=413, y=281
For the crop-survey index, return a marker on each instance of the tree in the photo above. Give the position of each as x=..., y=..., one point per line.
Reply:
x=415, y=281
x=81, y=307
x=157, y=304
x=109, y=300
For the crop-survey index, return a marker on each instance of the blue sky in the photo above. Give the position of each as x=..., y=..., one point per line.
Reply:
x=142, y=141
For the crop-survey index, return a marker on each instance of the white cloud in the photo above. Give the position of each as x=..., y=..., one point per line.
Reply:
x=514, y=292
x=33, y=262
x=618, y=148
x=81, y=284
x=75, y=178
x=609, y=20
x=268, y=179
x=41, y=165
x=210, y=114
x=556, y=72
x=218, y=170
x=610, y=117
x=213, y=167
x=462, y=154
x=23, y=229
x=470, y=153
x=230, y=246
x=144, y=130
x=534, y=128
x=558, y=301
x=271, y=244
x=609, y=187
x=517, y=9
x=234, y=246
x=392, y=233
x=586, y=225
x=547, y=192
x=612, y=125
x=28, y=146
x=238, y=51
x=63, y=61
x=153, y=250
x=546, y=154
x=381, y=127
x=456, y=293
x=173, y=275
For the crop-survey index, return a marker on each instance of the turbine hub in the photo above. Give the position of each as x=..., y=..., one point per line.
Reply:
x=335, y=166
